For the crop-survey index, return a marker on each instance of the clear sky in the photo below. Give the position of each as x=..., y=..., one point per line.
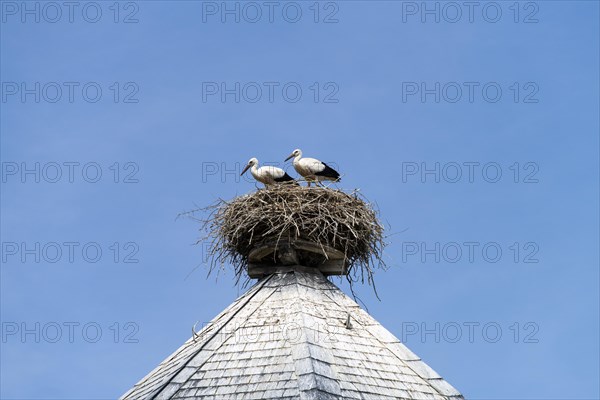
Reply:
x=493, y=279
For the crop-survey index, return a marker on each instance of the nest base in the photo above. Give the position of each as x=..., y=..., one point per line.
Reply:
x=304, y=255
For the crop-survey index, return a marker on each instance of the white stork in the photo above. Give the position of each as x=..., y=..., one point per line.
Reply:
x=268, y=175
x=312, y=169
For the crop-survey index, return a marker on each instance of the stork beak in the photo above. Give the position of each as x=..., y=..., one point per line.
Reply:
x=245, y=169
x=290, y=156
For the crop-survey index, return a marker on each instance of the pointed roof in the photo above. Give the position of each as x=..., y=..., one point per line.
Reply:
x=289, y=337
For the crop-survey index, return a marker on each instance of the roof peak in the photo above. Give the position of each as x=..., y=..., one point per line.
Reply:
x=288, y=337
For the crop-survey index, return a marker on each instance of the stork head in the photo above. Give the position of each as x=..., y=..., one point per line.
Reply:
x=295, y=153
x=252, y=162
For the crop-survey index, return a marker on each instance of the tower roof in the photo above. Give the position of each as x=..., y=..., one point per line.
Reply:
x=293, y=335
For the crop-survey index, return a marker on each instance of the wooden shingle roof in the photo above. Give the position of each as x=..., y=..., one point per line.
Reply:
x=293, y=335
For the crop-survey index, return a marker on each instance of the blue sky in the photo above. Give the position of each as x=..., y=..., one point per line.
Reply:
x=163, y=143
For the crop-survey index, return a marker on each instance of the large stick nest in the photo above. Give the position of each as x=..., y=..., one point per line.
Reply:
x=324, y=216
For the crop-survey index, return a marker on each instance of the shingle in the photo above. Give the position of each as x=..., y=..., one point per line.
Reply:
x=286, y=339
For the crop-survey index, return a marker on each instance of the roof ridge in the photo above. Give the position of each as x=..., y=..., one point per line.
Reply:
x=309, y=361
x=210, y=340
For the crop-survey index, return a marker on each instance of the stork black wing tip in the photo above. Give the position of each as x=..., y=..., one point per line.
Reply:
x=286, y=179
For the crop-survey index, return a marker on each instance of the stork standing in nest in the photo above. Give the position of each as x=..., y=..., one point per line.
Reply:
x=268, y=175
x=312, y=169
